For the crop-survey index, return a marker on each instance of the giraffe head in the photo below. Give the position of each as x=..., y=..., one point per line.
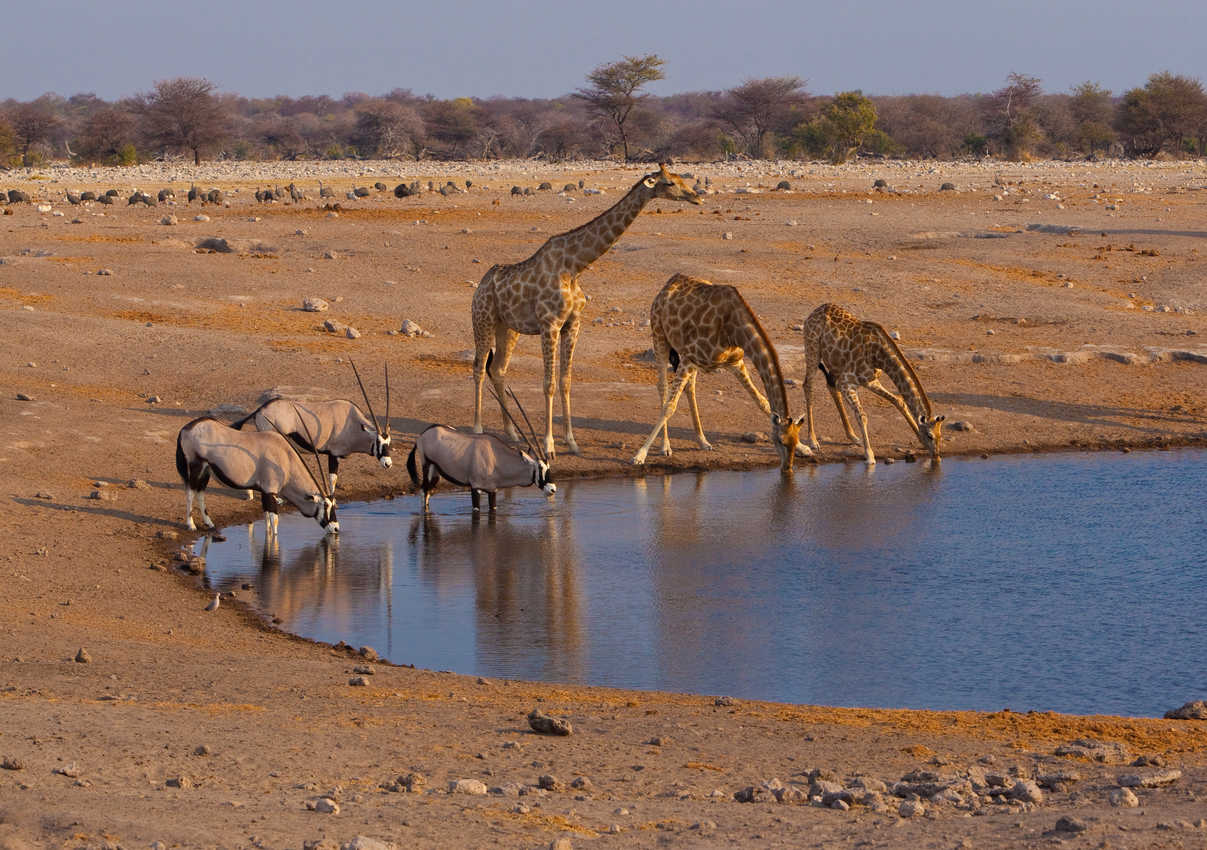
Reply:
x=785, y=436
x=928, y=433
x=670, y=186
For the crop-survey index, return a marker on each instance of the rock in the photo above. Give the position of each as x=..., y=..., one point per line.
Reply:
x=474, y=787
x=24, y=397
x=319, y=843
x=1105, y=752
x=203, y=750
x=105, y=272
x=959, y=425
x=358, y=682
x=410, y=328
x=725, y=702
x=1196, y=710
x=1155, y=779
x=201, y=217
x=364, y=670
x=326, y=806
x=71, y=771
x=754, y=437
x=947, y=187
x=1026, y=791
x=169, y=220
x=351, y=332
x=82, y=656
x=10, y=763
x=414, y=782
x=179, y=782
x=1123, y=798
x=562, y=842
x=911, y=808
x=582, y=783
x=543, y=724
x=363, y=842
x=214, y=245
x=727, y=235
x=1070, y=824
x=793, y=795
x=314, y=304
x=784, y=186
x=1059, y=777
x=549, y=782
x=753, y=794
x=137, y=484
x=368, y=653
x=332, y=326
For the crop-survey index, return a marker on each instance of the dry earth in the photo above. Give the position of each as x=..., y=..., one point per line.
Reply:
x=1048, y=305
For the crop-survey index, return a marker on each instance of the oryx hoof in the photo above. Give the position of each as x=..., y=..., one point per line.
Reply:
x=190, y=525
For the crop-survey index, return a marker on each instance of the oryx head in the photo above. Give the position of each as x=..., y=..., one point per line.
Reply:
x=785, y=436
x=323, y=499
x=670, y=186
x=541, y=476
x=381, y=436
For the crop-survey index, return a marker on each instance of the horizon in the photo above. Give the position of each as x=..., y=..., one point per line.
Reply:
x=542, y=51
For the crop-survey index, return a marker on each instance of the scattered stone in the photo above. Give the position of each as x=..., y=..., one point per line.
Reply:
x=543, y=724
x=10, y=763
x=105, y=272
x=351, y=332
x=326, y=806
x=1123, y=798
x=959, y=425
x=182, y=782
x=1105, y=752
x=363, y=842
x=314, y=304
x=582, y=783
x=169, y=220
x=203, y=750
x=727, y=235
x=71, y=771
x=24, y=397
x=411, y=328
x=358, y=682
x=725, y=702
x=1196, y=710
x=947, y=187
x=137, y=484
x=82, y=656
x=1156, y=779
x=754, y=437
x=474, y=787
x=549, y=782
x=214, y=245
x=1027, y=791
x=753, y=794
x=911, y=808
x=1070, y=824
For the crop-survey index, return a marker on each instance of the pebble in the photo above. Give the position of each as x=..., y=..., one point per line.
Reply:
x=1155, y=779
x=327, y=806
x=201, y=217
x=104, y=272
x=1123, y=798
x=911, y=808
x=474, y=787
x=1070, y=824
x=24, y=397
x=754, y=437
x=169, y=220
x=179, y=782
x=1026, y=791
x=82, y=656
x=10, y=763
x=358, y=681
x=314, y=304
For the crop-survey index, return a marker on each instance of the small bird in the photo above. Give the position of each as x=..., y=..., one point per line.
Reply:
x=213, y=606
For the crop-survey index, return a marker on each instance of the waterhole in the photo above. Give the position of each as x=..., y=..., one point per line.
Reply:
x=1072, y=583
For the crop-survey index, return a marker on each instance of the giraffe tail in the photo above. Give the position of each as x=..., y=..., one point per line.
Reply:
x=490, y=358
x=673, y=357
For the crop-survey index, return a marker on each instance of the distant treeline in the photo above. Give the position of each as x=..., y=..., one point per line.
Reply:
x=773, y=117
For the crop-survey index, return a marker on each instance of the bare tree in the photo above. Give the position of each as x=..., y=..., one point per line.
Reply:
x=757, y=108
x=387, y=128
x=183, y=114
x=107, y=135
x=33, y=124
x=614, y=91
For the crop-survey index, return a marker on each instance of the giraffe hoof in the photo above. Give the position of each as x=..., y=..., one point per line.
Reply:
x=639, y=460
x=705, y=446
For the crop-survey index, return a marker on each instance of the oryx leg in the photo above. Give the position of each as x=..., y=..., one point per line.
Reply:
x=849, y=391
x=491, y=494
x=205, y=517
x=505, y=340
x=569, y=337
x=701, y=440
x=196, y=479
x=272, y=506
x=188, y=508
x=550, y=339
x=897, y=401
x=668, y=410
x=475, y=498
x=332, y=472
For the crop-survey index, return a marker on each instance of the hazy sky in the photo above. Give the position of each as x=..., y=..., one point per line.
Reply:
x=542, y=48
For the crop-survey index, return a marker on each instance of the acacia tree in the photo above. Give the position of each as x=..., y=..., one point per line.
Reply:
x=33, y=124
x=1011, y=119
x=183, y=114
x=758, y=108
x=844, y=124
x=107, y=135
x=387, y=128
x=615, y=91
x=1170, y=111
x=1093, y=112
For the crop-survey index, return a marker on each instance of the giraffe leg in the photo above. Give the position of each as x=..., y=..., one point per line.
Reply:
x=852, y=397
x=701, y=440
x=810, y=374
x=550, y=339
x=483, y=325
x=739, y=369
x=668, y=410
x=505, y=340
x=569, y=337
x=662, y=353
x=842, y=413
x=895, y=400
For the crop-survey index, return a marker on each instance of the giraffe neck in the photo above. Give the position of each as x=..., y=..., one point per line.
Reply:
x=892, y=362
x=757, y=346
x=580, y=247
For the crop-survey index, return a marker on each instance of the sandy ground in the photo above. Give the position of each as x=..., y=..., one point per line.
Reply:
x=1047, y=306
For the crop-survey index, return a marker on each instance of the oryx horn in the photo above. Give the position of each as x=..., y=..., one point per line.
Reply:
x=515, y=424
x=368, y=403
x=322, y=489
x=387, y=399
x=527, y=421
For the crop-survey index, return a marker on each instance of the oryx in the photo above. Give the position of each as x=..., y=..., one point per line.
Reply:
x=264, y=461
x=481, y=462
x=339, y=427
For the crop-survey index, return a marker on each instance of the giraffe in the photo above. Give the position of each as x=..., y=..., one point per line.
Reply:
x=541, y=296
x=698, y=326
x=853, y=354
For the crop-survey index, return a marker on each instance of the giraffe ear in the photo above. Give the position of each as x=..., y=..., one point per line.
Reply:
x=650, y=182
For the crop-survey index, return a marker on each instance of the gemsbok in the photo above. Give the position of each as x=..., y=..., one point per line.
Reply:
x=481, y=462
x=339, y=427
x=264, y=461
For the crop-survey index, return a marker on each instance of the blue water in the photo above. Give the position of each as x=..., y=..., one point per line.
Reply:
x=1073, y=583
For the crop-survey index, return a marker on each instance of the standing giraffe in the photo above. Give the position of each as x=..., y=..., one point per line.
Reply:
x=698, y=326
x=855, y=354
x=541, y=296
